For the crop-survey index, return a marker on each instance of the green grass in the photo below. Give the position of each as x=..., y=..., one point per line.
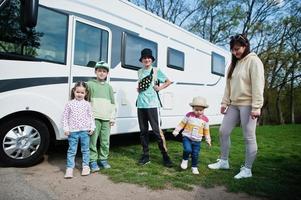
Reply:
x=276, y=171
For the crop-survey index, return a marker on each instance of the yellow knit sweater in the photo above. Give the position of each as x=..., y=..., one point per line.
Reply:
x=245, y=88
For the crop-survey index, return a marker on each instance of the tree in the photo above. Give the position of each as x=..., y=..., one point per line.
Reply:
x=281, y=57
x=216, y=20
x=175, y=11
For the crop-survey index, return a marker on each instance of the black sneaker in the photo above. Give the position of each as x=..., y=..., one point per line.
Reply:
x=144, y=160
x=167, y=162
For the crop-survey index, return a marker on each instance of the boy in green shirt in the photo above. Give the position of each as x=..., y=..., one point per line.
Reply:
x=103, y=107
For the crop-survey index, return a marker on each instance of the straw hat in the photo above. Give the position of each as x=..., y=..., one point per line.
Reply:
x=199, y=101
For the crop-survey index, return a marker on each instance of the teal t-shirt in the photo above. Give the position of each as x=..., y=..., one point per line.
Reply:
x=149, y=97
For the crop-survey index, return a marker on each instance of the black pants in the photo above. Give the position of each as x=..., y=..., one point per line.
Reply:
x=150, y=115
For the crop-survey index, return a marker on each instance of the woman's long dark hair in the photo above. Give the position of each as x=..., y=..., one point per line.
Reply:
x=241, y=40
x=80, y=84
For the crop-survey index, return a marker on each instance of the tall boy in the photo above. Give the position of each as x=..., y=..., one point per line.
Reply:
x=148, y=106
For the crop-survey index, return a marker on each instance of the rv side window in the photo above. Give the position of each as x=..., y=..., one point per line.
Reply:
x=91, y=44
x=46, y=42
x=175, y=59
x=217, y=64
x=131, y=50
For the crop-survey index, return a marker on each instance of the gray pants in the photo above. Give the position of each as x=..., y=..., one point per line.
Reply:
x=234, y=115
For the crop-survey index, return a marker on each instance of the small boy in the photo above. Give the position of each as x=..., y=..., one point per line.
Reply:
x=195, y=125
x=103, y=107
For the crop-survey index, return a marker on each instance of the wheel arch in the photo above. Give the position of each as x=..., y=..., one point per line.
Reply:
x=36, y=115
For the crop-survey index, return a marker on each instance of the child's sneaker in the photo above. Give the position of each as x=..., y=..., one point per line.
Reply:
x=94, y=167
x=244, y=173
x=184, y=164
x=85, y=171
x=69, y=173
x=220, y=164
x=104, y=164
x=195, y=170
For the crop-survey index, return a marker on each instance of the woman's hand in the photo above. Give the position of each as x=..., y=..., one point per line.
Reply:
x=224, y=110
x=67, y=133
x=255, y=114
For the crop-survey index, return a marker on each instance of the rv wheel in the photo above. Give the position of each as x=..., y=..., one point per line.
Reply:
x=24, y=141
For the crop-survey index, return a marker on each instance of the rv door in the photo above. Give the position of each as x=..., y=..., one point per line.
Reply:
x=91, y=43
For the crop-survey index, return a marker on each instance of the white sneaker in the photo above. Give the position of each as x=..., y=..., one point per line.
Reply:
x=85, y=171
x=244, y=173
x=195, y=170
x=184, y=164
x=69, y=173
x=220, y=164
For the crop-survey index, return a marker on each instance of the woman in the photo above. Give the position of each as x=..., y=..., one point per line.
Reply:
x=242, y=101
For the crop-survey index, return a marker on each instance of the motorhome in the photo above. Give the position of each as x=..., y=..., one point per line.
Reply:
x=39, y=66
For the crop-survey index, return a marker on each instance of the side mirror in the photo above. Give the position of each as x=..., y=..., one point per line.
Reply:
x=29, y=12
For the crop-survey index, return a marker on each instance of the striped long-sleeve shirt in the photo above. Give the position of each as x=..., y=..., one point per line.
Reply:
x=195, y=127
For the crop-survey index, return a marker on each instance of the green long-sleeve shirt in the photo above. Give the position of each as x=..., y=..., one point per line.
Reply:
x=102, y=99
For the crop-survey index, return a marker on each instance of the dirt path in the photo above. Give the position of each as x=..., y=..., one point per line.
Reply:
x=45, y=181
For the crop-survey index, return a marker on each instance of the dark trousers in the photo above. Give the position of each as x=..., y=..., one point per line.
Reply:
x=191, y=148
x=150, y=115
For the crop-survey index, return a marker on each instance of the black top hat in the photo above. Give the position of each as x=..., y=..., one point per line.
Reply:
x=146, y=53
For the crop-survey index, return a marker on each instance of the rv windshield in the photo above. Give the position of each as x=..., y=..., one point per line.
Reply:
x=47, y=41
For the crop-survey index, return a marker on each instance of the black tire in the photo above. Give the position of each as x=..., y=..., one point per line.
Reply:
x=28, y=149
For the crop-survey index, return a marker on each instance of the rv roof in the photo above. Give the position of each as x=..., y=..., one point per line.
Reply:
x=169, y=23
x=118, y=9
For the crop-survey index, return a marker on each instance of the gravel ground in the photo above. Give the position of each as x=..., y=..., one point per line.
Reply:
x=45, y=181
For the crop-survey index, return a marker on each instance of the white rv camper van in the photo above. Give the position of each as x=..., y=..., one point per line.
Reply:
x=39, y=67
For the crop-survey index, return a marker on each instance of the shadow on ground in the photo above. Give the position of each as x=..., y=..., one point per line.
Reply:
x=57, y=152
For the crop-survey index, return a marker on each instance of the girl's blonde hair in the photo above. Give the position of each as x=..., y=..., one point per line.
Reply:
x=81, y=84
